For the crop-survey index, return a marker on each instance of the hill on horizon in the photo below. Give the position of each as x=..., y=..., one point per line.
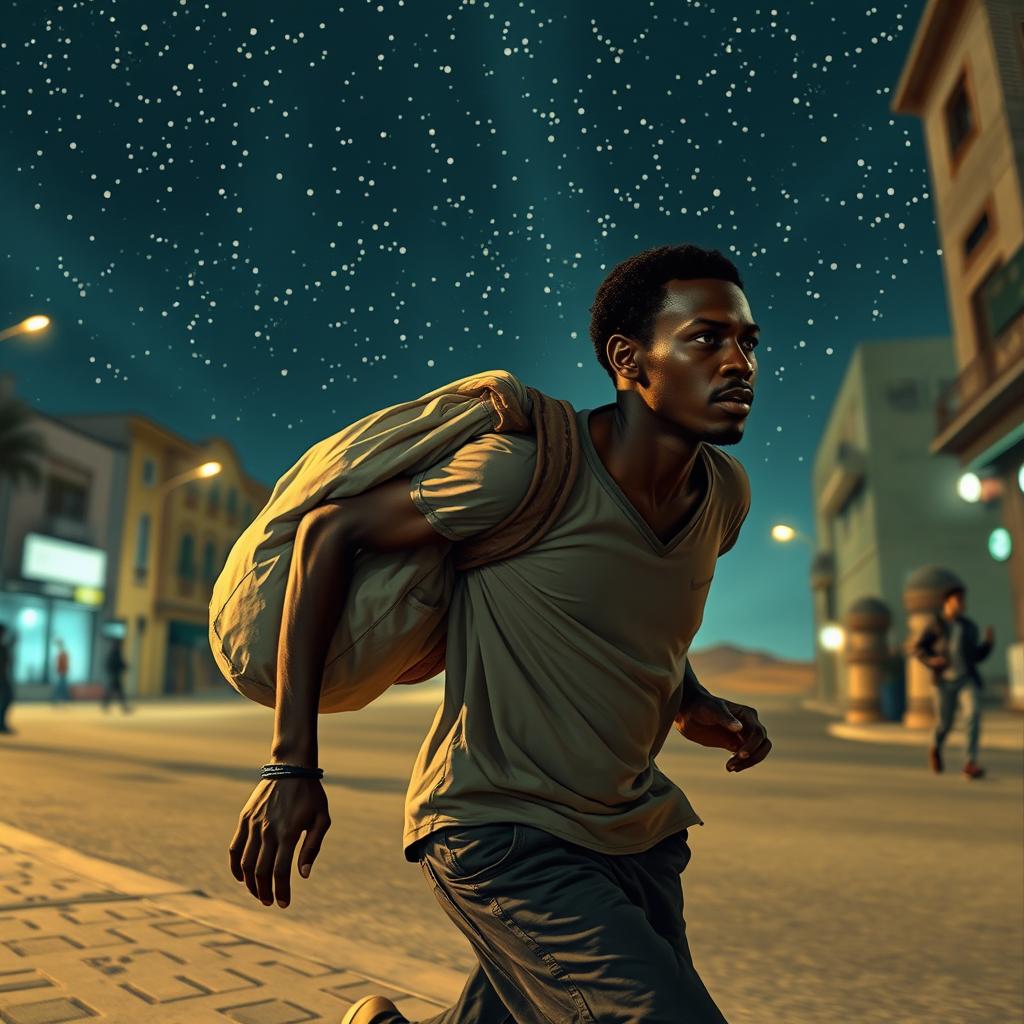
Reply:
x=729, y=668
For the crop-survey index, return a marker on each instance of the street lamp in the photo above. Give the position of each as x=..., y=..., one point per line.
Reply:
x=832, y=636
x=969, y=487
x=207, y=469
x=30, y=325
x=783, y=533
x=203, y=471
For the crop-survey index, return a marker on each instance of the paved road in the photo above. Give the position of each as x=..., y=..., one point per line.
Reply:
x=836, y=882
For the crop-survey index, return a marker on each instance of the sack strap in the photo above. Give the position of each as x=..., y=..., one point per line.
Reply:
x=558, y=454
x=558, y=460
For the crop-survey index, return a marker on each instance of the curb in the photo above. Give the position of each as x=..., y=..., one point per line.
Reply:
x=81, y=938
x=899, y=735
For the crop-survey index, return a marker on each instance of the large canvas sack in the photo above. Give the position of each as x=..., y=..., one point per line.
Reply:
x=392, y=628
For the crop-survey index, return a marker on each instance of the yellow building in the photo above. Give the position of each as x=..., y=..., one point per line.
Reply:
x=964, y=77
x=177, y=531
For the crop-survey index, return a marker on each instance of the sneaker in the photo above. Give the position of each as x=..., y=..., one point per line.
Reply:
x=973, y=770
x=373, y=1010
x=935, y=759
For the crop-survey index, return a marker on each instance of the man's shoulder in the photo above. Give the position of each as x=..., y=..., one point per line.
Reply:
x=729, y=471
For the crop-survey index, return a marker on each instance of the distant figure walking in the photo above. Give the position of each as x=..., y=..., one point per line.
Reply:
x=60, y=688
x=6, y=683
x=949, y=646
x=115, y=670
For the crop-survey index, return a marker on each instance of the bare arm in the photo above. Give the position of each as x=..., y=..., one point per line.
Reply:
x=279, y=811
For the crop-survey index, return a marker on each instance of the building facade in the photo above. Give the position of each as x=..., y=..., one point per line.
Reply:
x=884, y=506
x=176, y=535
x=964, y=77
x=59, y=544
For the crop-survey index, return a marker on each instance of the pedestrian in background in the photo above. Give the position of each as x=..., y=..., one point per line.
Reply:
x=61, y=666
x=950, y=647
x=6, y=683
x=115, y=670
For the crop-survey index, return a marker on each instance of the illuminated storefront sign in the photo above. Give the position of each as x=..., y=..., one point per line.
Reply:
x=62, y=561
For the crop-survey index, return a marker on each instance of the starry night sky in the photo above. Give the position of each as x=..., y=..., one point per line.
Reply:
x=262, y=220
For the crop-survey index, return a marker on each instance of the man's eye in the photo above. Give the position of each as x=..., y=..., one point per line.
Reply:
x=751, y=343
x=707, y=334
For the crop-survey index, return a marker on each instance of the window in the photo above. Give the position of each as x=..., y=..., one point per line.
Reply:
x=142, y=547
x=904, y=395
x=979, y=307
x=209, y=562
x=66, y=499
x=149, y=472
x=191, y=494
x=213, y=500
x=977, y=234
x=247, y=515
x=959, y=117
x=187, y=557
x=232, y=504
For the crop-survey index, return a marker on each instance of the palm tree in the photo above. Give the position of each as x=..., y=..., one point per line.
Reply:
x=20, y=447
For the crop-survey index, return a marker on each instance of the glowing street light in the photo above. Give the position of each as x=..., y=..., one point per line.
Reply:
x=30, y=325
x=1000, y=544
x=832, y=636
x=204, y=470
x=207, y=469
x=783, y=533
x=969, y=487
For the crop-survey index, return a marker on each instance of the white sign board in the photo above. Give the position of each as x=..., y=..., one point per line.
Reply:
x=62, y=561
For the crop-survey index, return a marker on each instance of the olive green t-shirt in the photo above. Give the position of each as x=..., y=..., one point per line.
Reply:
x=564, y=663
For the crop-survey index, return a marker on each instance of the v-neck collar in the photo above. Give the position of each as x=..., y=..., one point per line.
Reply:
x=620, y=499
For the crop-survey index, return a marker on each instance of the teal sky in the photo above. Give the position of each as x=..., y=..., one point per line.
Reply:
x=263, y=221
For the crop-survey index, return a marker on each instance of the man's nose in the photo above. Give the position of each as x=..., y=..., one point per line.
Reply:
x=736, y=362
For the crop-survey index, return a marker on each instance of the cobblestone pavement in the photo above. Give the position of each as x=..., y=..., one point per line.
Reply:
x=84, y=940
x=838, y=882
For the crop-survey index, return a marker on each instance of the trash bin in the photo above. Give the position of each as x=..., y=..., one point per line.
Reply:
x=893, y=698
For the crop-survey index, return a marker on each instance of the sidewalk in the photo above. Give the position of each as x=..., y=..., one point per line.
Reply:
x=1000, y=730
x=83, y=939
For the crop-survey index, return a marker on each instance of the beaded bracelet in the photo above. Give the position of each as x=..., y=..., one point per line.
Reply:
x=290, y=771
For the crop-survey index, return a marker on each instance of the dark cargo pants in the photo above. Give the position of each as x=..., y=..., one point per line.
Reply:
x=566, y=934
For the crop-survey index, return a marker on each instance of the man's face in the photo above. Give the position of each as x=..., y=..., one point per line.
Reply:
x=955, y=605
x=700, y=370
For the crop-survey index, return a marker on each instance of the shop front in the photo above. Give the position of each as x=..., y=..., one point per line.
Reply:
x=190, y=668
x=54, y=606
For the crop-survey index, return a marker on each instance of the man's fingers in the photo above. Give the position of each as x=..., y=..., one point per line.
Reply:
x=716, y=712
x=311, y=844
x=249, y=857
x=265, y=868
x=755, y=733
x=738, y=764
x=236, y=848
x=283, y=871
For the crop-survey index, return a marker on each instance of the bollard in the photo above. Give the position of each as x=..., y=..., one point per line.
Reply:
x=922, y=599
x=867, y=624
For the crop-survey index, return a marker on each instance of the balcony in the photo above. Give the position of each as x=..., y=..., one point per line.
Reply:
x=844, y=480
x=987, y=387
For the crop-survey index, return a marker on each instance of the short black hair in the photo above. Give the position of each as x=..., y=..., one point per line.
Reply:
x=632, y=295
x=956, y=589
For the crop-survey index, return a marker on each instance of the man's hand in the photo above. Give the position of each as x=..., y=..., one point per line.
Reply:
x=714, y=722
x=989, y=636
x=270, y=824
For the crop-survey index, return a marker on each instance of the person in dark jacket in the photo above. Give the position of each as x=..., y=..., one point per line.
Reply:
x=6, y=683
x=950, y=647
x=115, y=669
